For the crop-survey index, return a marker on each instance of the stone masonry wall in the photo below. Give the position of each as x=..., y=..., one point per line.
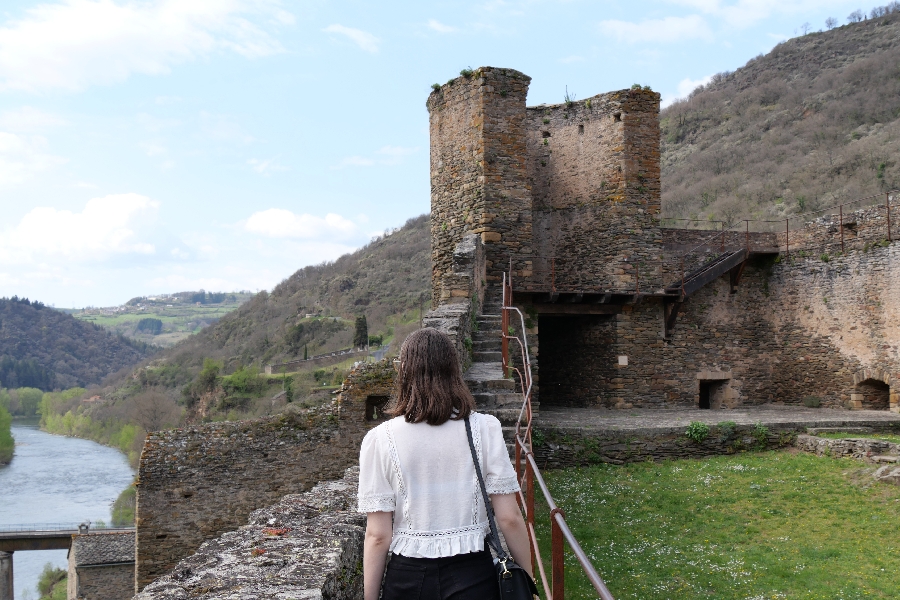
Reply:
x=478, y=172
x=462, y=296
x=305, y=546
x=595, y=175
x=199, y=482
x=113, y=582
x=793, y=329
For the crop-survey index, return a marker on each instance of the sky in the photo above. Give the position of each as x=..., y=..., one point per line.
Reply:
x=157, y=146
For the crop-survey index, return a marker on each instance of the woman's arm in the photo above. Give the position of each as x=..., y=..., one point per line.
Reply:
x=379, y=531
x=511, y=523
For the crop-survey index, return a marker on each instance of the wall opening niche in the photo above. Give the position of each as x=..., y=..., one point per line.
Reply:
x=713, y=390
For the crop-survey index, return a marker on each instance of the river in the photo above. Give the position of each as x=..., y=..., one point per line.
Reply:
x=56, y=479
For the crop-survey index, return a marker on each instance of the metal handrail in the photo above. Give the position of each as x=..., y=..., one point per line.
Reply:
x=554, y=587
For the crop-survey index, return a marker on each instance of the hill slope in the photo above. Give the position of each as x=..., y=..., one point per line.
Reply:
x=384, y=281
x=45, y=348
x=813, y=123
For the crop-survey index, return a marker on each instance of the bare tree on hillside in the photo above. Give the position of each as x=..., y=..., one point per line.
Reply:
x=830, y=23
x=855, y=17
x=154, y=410
x=805, y=28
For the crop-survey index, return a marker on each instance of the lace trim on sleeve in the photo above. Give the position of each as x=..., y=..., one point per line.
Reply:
x=376, y=503
x=502, y=485
x=395, y=461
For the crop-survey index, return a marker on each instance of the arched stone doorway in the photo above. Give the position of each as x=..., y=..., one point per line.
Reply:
x=872, y=391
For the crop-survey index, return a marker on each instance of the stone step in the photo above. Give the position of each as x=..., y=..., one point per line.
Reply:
x=489, y=345
x=487, y=377
x=489, y=356
x=497, y=400
x=486, y=317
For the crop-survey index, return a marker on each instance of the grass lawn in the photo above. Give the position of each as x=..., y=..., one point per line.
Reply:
x=748, y=526
x=887, y=437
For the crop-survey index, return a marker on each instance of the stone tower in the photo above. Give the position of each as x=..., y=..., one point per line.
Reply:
x=479, y=175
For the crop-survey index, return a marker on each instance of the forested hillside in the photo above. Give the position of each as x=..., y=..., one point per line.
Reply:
x=383, y=280
x=811, y=124
x=44, y=348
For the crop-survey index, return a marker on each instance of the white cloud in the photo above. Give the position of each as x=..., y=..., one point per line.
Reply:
x=73, y=44
x=281, y=223
x=29, y=120
x=363, y=39
x=665, y=30
x=22, y=157
x=436, y=25
x=265, y=167
x=107, y=227
x=386, y=155
x=685, y=87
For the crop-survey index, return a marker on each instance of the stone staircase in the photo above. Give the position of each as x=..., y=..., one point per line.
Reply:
x=494, y=394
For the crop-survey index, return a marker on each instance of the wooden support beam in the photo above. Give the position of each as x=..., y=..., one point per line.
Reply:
x=735, y=275
x=578, y=309
x=670, y=314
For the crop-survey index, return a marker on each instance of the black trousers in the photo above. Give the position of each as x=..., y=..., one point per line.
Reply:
x=462, y=577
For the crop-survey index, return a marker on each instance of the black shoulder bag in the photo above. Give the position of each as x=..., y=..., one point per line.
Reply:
x=515, y=583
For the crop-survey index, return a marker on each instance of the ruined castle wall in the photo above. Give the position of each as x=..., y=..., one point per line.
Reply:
x=594, y=171
x=793, y=329
x=304, y=546
x=478, y=173
x=198, y=482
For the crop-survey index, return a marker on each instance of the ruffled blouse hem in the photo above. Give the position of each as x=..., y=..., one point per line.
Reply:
x=437, y=546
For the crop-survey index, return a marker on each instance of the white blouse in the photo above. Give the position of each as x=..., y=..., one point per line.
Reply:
x=424, y=474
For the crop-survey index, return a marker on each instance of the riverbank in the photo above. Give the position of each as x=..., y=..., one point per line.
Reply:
x=7, y=443
x=56, y=479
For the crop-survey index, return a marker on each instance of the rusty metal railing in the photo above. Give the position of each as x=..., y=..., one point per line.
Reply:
x=529, y=474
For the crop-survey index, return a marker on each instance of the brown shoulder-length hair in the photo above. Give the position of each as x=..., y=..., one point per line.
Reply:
x=429, y=385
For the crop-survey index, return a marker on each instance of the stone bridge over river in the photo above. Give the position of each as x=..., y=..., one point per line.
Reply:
x=39, y=536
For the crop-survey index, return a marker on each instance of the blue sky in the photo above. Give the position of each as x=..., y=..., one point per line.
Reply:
x=152, y=146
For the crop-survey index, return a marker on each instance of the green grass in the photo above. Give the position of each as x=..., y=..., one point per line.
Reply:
x=179, y=321
x=887, y=437
x=750, y=526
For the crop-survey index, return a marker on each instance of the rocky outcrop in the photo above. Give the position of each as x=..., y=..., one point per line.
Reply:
x=306, y=546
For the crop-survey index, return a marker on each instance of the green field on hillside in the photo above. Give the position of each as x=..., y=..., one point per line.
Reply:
x=748, y=526
x=179, y=321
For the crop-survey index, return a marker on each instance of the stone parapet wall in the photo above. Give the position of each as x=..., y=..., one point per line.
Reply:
x=198, y=482
x=860, y=448
x=862, y=228
x=563, y=448
x=305, y=546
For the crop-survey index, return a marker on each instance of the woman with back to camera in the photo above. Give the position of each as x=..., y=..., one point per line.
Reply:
x=419, y=488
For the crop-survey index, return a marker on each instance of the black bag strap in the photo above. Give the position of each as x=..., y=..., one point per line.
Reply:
x=494, y=538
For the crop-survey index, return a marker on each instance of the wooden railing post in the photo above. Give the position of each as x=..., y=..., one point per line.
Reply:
x=557, y=560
